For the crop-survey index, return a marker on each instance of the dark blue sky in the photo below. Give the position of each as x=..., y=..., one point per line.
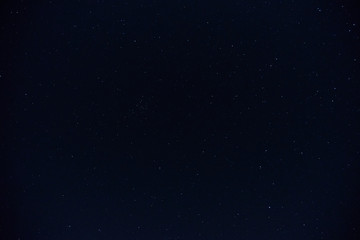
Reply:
x=179, y=120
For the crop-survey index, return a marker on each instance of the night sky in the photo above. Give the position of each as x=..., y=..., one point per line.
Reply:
x=160, y=120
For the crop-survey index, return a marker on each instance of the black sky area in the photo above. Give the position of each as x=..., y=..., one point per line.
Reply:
x=188, y=120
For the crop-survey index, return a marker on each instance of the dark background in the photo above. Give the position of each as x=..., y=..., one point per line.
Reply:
x=180, y=120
